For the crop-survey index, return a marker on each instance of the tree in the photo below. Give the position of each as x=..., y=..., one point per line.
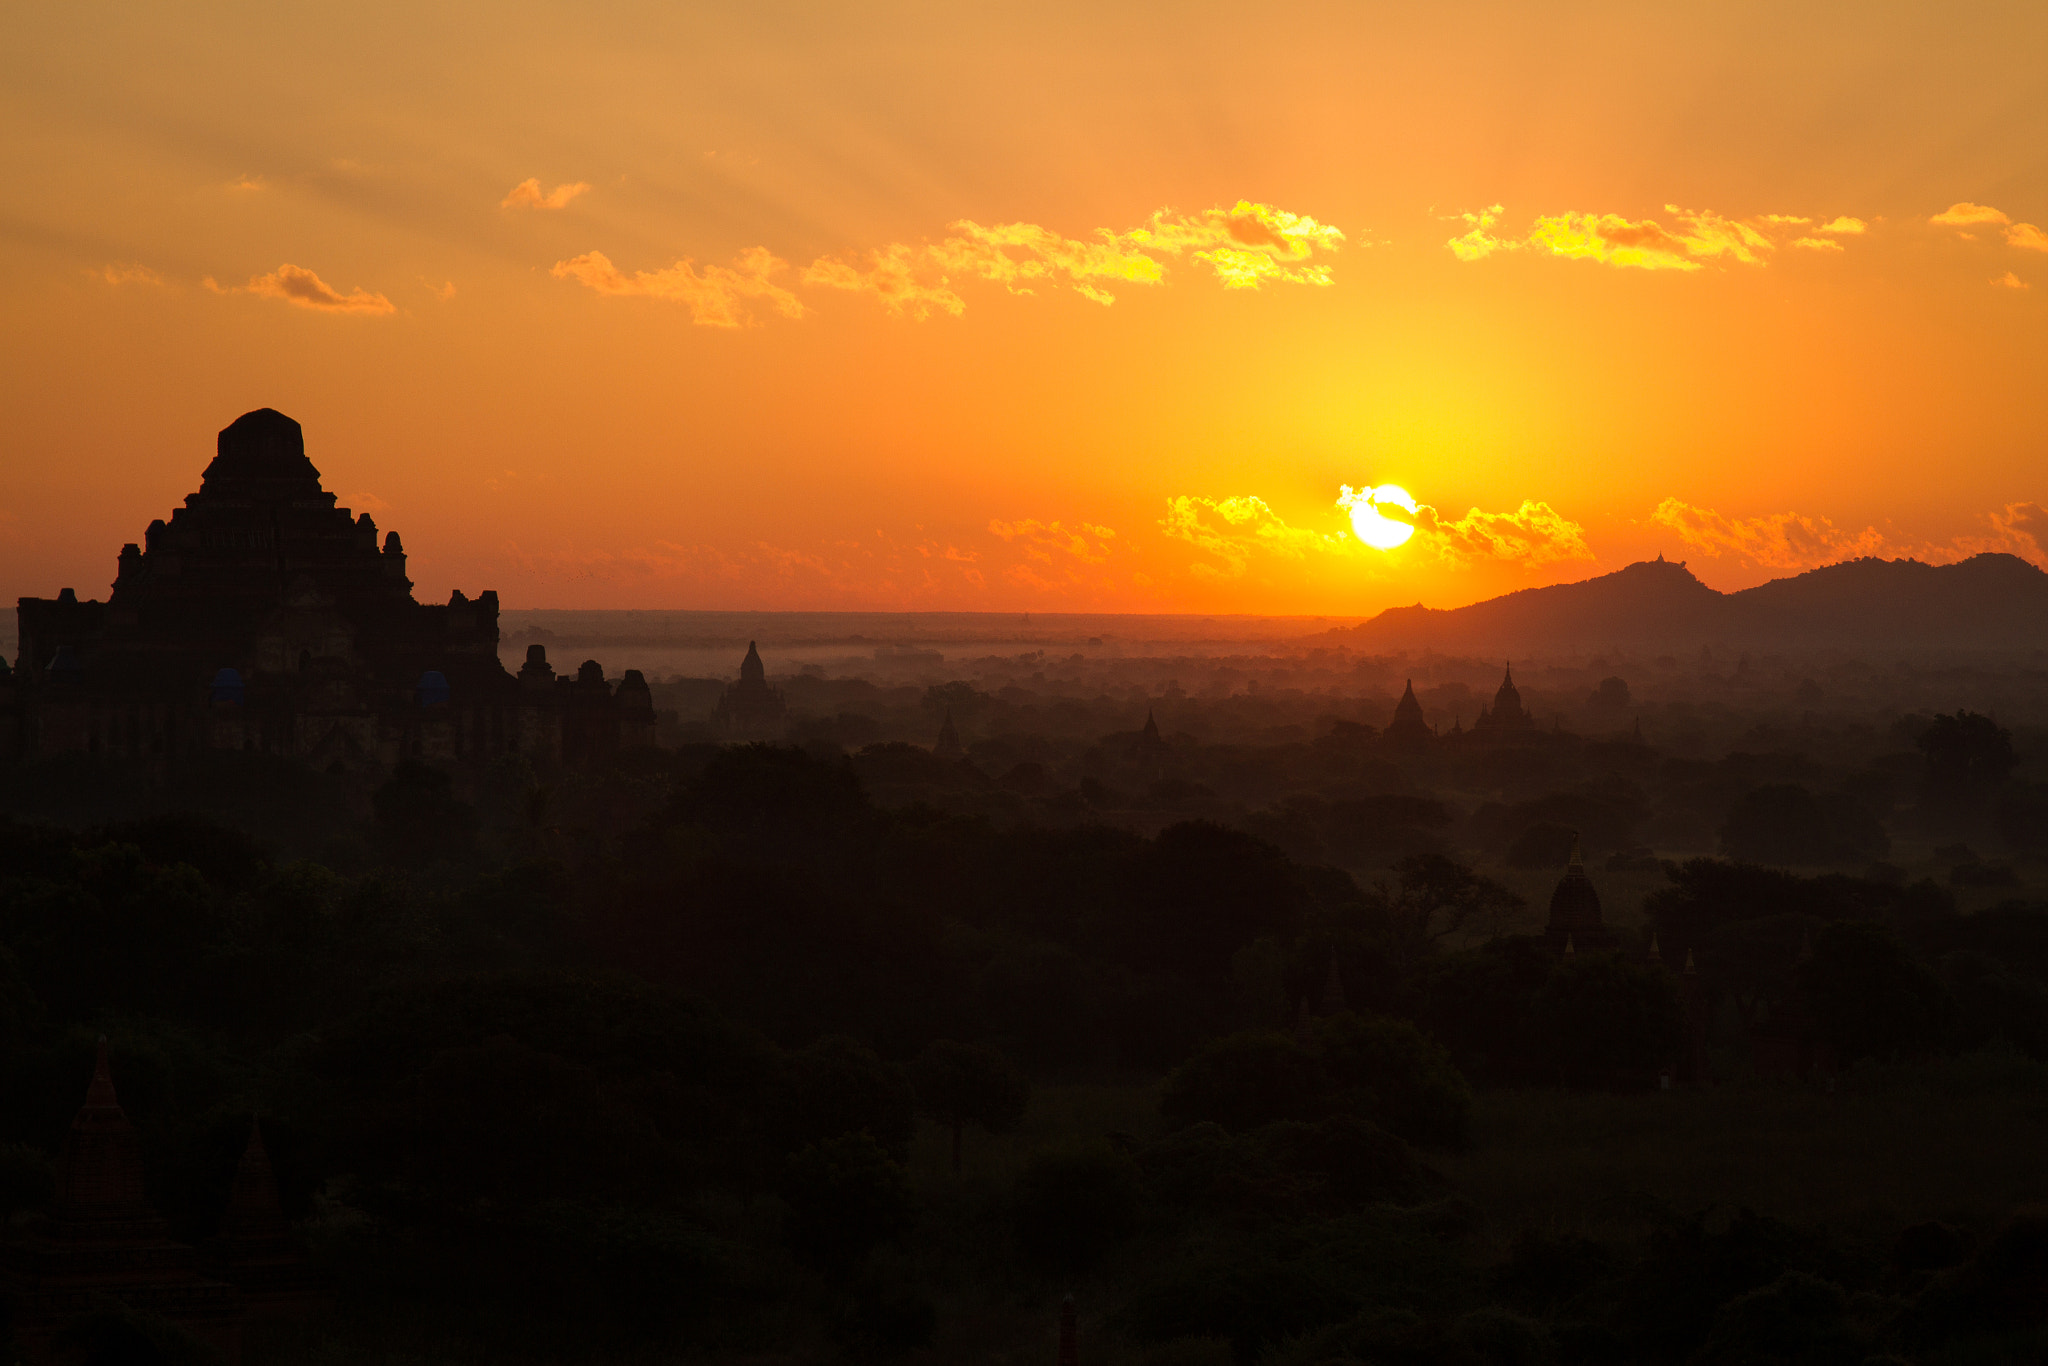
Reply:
x=2023, y=818
x=1245, y=1080
x=1611, y=695
x=958, y=1084
x=1481, y=1004
x=1606, y=1021
x=1072, y=1207
x=1869, y=997
x=835, y=1087
x=1205, y=892
x=1968, y=757
x=1542, y=845
x=1779, y=823
x=1434, y=897
x=1782, y=823
x=419, y=818
x=1392, y=1073
x=27, y=1180
x=845, y=1198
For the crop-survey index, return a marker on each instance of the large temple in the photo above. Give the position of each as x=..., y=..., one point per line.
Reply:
x=263, y=617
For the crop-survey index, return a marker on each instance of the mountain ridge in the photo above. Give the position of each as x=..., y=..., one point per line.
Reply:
x=1991, y=601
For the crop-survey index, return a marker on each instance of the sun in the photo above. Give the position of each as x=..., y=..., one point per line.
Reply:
x=1383, y=517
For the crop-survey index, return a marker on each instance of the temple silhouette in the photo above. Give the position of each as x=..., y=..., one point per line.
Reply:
x=1575, y=923
x=105, y=1241
x=750, y=709
x=1507, y=716
x=263, y=617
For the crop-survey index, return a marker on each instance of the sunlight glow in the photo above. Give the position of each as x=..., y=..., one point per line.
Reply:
x=1383, y=517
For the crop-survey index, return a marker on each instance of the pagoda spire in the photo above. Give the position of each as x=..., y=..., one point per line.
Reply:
x=99, y=1168
x=1333, y=989
x=1070, y=1334
x=255, y=1209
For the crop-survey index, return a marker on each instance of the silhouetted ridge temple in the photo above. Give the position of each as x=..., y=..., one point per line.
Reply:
x=1988, y=602
x=263, y=617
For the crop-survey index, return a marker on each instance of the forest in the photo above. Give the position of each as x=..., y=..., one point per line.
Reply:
x=1240, y=1030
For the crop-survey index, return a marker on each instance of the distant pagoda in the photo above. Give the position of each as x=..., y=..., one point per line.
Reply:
x=1507, y=716
x=1408, y=730
x=750, y=709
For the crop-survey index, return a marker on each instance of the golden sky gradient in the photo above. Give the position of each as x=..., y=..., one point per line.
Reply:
x=1048, y=306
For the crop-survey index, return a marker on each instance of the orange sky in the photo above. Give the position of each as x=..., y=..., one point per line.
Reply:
x=1085, y=306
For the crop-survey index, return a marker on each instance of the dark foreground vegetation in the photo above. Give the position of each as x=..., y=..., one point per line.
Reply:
x=711, y=1056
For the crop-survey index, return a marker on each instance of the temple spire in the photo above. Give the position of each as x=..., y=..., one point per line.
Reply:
x=255, y=1209
x=99, y=1092
x=1070, y=1334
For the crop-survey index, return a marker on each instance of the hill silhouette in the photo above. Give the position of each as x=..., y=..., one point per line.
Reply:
x=1987, y=602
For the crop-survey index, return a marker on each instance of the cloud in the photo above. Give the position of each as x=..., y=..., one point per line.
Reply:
x=1648, y=245
x=1794, y=541
x=301, y=288
x=1479, y=243
x=1964, y=214
x=2027, y=237
x=526, y=195
x=2024, y=527
x=118, y=273
x=893, y=275
x=1694, y=239
x=2009, y=281
x=443, y=292
x=1533, y=535
x=716, y=297
x=1056, y=554
x=1244, y=246
x=1235, y=529
x=1247, y=244
x=247, y=182
x=1239, y=529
